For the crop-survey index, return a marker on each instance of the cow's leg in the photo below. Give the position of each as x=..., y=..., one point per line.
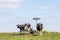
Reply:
x=20, y=30
x=41, y=33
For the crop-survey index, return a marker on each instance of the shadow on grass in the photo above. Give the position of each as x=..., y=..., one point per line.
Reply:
x=22, y=34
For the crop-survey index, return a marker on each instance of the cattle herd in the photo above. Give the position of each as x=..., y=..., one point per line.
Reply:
x=27, y=28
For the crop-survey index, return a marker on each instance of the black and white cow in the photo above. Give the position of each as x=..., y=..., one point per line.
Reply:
x=24, y=27
x=39, y=27
x=21, y=27
x=32, y=31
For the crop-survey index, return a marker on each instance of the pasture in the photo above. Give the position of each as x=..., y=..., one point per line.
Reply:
x=16, y=36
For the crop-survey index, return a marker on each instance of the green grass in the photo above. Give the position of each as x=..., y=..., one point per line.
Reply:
x=15, y=36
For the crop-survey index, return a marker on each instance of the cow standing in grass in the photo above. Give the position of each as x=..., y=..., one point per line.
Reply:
x=24, y=27
x=27, y=27
x=21, y=27
x=39, y=28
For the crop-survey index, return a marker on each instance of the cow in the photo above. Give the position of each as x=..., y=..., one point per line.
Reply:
x=24, y=27
x=32, y=31
x=27, y=27
x=39, y=28
x=21, y=27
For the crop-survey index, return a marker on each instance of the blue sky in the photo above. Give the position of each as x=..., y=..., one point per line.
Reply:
x=13, y=12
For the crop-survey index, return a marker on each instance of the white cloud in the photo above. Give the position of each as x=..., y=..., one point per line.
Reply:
x=9, y=5
x=11, y=0
x=44, y=8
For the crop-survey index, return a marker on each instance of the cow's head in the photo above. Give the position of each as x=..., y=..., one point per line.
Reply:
x=18, y=26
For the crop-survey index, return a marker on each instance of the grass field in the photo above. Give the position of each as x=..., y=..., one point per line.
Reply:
x=15, y=36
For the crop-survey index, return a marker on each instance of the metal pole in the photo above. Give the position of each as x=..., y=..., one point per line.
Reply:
x=36, y=20
x=36, y=23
